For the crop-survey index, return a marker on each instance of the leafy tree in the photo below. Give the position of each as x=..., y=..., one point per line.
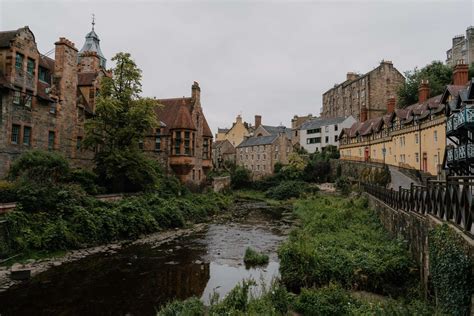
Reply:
x=240, y=177
x=121, y=121
x=438, y=74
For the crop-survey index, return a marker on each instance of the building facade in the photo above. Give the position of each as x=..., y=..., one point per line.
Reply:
x=223, y=154
x=413, y=138
x=318, y=133
x=296, y=123
x=259, y=154
x=462, y=48
x=237, y=133
x=44, y=102
x=363, y=96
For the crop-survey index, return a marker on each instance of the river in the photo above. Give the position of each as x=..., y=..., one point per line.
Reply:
x=138, y=279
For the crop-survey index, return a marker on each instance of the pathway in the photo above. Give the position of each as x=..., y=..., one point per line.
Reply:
x=399, y=179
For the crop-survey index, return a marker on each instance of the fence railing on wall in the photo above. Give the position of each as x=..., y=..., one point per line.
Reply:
x=450, y=201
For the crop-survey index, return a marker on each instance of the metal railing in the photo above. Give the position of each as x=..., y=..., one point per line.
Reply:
x=450, y=201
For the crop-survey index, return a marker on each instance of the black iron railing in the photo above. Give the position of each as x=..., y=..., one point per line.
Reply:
x=451, y=200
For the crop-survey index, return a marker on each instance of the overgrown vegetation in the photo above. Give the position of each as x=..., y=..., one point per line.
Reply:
x=254, y=258
x=451, y=271
x=438, y=75
x=377, y=176
x=342, y=242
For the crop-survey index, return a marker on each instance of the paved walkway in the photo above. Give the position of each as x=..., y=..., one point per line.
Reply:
x=399, y=179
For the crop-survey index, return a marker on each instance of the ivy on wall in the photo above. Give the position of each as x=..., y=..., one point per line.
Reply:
x=451, y=271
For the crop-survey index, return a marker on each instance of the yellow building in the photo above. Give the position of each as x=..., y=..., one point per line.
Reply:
x=413, y=138
x=236, y=134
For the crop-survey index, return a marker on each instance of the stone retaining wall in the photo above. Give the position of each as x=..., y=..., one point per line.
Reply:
x=351, y=169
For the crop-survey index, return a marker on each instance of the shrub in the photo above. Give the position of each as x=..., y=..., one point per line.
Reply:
x=240, y=178
x=343, y=185
x=317, y=170
x=253, y=258
x=287, y=189
x=190, y=307
x=330, y=300
x=7, y=192
x=40, y=166
x=87, y=180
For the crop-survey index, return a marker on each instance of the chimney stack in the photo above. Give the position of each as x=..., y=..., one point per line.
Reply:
x=239, y=119
x=258, y=120
x=423, y=91
x=391, y=105
x=196, y=91
x=351, y=76
x=460, y=73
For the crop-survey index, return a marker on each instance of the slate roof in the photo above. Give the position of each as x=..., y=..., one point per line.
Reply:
x=6, y=37
x=275, y=130
x=222, y=130
x=258, y=140
x=319, y=122
x=176, y=113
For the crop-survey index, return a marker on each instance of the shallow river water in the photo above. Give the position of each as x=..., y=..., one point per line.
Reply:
x=138, y=279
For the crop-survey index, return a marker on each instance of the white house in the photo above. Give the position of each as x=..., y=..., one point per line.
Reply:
x=318, y=133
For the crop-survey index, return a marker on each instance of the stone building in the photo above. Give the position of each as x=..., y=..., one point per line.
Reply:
x=462, y=48
x=183, y=141
x=259, y=154
x=363, y=96
x=237, y=133
x=296, y=123
x=411, y=138
x=223, y=153
x=45, y=101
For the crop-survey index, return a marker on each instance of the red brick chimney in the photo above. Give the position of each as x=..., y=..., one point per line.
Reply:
x=423, y=91
x=363, y=114
x=258, y=120
x=391, y=105
x=460, y=73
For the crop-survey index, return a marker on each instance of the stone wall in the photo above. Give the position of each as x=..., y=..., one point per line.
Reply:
x=414, y=229
x=221, y=183
x=351, y=169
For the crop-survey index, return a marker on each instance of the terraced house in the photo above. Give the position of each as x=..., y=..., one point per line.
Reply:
x=413, y=137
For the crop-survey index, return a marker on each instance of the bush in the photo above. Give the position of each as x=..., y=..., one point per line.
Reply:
x=240, y=178
x=7, y=192
x=253, y=258
x=40, y=166
x=190, y=307
x=318, y=169
x=343, y=185
x=330, y=300
x=87, y=180
x=287, y=189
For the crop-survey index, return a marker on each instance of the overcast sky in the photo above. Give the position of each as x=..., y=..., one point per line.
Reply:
x=269, y=58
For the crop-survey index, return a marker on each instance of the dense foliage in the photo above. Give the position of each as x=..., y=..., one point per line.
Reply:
x=438, y=75
x=240, y=178
x=288, y=189
x=122, y=119
x=81, y=221
x=341, y=241
x=451, y=271
x=379, y=176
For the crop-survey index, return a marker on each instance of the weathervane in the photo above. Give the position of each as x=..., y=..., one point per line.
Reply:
x=93, y=21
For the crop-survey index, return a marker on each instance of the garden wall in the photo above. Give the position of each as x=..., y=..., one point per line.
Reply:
x=351, y=169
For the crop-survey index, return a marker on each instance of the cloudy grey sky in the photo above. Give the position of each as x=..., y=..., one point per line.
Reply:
x=273, y=58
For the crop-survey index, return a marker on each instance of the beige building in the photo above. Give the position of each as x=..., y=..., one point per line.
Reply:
x=462, y=48
x=236, y=134
x=413, y=138
x=363, y=96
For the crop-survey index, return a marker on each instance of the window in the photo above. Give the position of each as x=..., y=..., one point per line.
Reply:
x=258, y=167
x=42, y=74
x=199, y=174
x=205, y=151
x=158, y=140
x=326, y=139
x=336, y=138
x=416, y=139
x=187, y=140
x=30, y=66
x=26, y=135
x=335, y=127
x=435, y=136
x=276, y=148
x=326, y=129
x=28, y=100
x=52, y=108
x=417, y=157
x=15, y=134
x=258, y=156
x=177, y=142
x=264, y=156
x=194, y=174
x=314, y=140
x=79, y=143
x=16, y=97
x=51, y=140
x=296, y=133
x=314, y=131
x=19, y=61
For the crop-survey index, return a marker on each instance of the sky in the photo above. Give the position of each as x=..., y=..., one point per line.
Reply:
x=272, y=58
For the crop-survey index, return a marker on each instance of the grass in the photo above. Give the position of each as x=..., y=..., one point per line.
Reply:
x=254, y=258
x=256, y=196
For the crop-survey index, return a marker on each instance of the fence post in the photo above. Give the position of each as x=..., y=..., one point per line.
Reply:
x=399, y=197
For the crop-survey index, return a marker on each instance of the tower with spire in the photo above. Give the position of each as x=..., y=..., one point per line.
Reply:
x=90, y=55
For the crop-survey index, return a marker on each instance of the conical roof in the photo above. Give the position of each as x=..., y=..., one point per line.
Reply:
x=92, y=44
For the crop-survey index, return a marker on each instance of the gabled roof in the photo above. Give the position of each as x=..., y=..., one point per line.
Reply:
x=275, y=130
x=319, y=122
x=7, y=36
x=222, y=130
x=258, y=140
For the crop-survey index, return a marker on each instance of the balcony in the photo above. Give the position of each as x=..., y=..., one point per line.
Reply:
x=464, y=119
x=460, y=154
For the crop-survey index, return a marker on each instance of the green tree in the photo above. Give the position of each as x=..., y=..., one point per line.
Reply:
x=438, y=74
x=121, y=121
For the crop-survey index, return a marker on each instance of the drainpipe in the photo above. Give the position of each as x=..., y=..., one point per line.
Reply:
x=419, y=141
